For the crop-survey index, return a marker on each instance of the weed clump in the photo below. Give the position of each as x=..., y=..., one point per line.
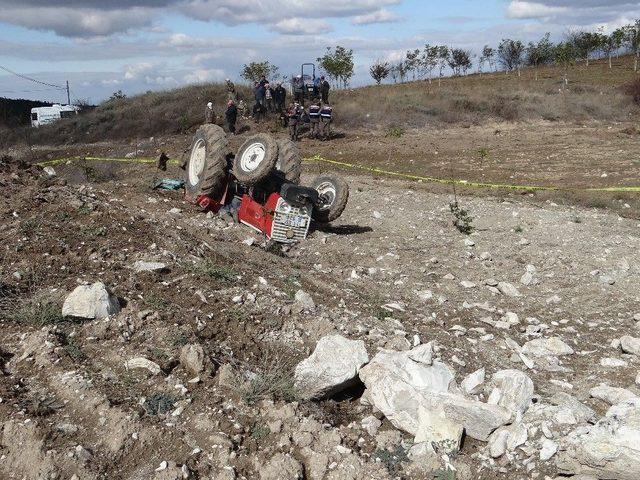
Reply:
x=461, y=218
x=395, y=132
x=38, y=310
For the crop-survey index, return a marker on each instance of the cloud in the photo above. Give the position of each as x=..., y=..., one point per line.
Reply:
x=520, y=9
x=379, y=16
x=234, y=12
x=299, y=26
x=203, y=76
x=72, y=22
x=574, y=13
x=93, y=18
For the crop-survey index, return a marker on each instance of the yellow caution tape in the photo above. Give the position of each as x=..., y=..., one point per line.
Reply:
x=60, y=161
x=379, y=171
x=466, y=183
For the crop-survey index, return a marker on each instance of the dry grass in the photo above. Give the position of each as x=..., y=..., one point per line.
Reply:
x=593, y=93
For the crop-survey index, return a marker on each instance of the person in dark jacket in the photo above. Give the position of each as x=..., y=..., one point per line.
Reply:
x=326, y=116
x=298, y=89
x=280, y=97
x=324, y=90
x=294, y=114
x=259, y=108
x=231, y=115
x=263, y=81
x=314, y=120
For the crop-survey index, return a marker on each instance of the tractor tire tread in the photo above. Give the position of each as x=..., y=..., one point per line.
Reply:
x=213, y=175
x=289, y=160
x=339, y=203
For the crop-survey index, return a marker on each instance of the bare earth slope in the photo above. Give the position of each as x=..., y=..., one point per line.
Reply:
x=392, y=268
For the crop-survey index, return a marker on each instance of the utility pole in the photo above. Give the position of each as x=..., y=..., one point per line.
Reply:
x=68, y=96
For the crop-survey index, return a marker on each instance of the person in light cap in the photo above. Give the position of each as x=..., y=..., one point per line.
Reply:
x=209, y=116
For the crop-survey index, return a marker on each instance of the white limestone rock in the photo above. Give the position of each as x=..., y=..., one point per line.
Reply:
x=91, y=302
x=332, y=367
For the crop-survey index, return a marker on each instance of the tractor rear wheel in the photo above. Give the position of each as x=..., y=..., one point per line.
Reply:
x=289, y=164
x=256, y=159
x=334, y=191
x=205, y=171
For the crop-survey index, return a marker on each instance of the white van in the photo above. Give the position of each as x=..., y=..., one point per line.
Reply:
x=45, y=115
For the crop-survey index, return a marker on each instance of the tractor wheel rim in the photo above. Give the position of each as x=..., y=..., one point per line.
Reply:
x=252, y=157
x=197, y=161
x=328, y=191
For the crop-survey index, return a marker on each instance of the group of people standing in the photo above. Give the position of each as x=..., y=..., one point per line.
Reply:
x=319, y=115
x=268, y=99
x=273, y=100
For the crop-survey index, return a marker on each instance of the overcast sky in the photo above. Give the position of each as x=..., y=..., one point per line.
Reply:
x=101, y=46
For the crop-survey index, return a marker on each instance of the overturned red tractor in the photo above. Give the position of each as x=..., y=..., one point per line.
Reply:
x=261, y=184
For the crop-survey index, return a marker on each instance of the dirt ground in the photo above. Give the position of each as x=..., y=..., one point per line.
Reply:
x=388, y=270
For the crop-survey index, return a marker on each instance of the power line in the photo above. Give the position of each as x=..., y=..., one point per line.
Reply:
x=31, y=91
x=31, y=79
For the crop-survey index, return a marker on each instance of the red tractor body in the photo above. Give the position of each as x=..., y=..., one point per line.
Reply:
x=260, y=185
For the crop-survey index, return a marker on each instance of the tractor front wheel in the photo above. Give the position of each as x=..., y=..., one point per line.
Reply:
x=333, y=196
x=256, y=159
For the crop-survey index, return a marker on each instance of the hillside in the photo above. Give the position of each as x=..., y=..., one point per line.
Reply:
x=593, y=93
x=16, y=112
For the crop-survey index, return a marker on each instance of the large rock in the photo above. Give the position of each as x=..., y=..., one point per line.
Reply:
x=544, y=347
x=90, y=302
x=630, y=344
x=400, y=384
x=435, y=428
x=512, y=390
x=192, y=358
x=608, y=450
x=580, y=411
x=611, y=395
x=281, y=467
x=332, y=367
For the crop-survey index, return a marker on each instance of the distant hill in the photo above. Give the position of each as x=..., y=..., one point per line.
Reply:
x=15, y=112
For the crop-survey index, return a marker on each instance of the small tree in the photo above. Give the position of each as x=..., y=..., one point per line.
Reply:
x=488, y=55
x=585, y=44
x=459, y=61
x=338, y=64
x=254, y=71
x=379, y=71
x=608, y=46
x=429, y=59
x=564, y=55
x=510, y=54
x=443, y=60
x=412, y=61
x=632, y=40
x=540, y=53
x=119, y=95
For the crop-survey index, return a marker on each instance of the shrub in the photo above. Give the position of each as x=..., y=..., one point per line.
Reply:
x=461, y=218
x=40, y=309
x=270, y=377
x=505, y=108
x=633, y=90
x=395, y=132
